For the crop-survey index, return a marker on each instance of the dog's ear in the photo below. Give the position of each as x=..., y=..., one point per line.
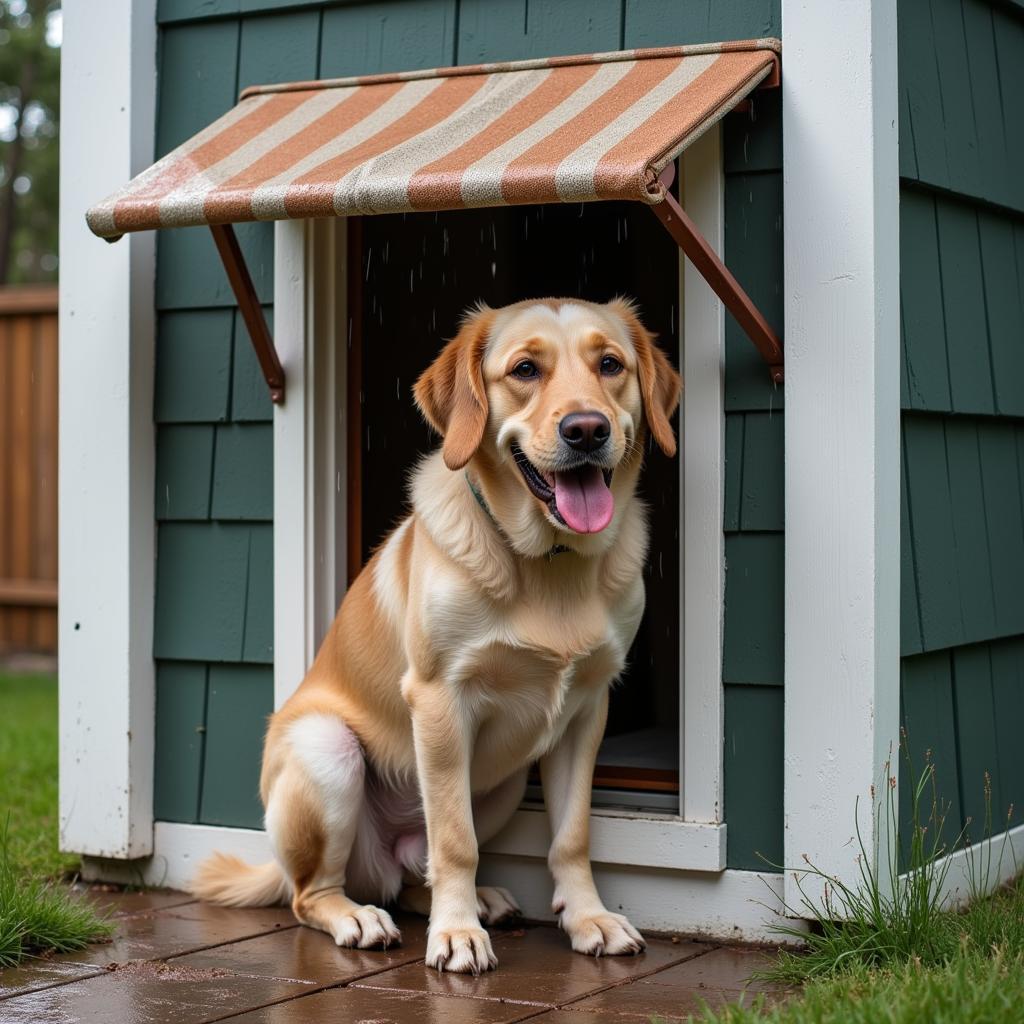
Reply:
x=451, y=393
x=660, y=385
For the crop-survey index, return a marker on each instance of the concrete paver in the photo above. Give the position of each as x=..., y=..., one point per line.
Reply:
x=182, y=962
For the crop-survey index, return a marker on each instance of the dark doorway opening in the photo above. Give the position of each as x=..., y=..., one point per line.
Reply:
x=411, y=277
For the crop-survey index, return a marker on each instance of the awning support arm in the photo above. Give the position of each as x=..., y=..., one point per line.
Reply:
x=249, y=306
x=678, y=224
x=675, y=219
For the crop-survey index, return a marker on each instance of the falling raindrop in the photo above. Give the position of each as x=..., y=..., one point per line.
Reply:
x=494, y=270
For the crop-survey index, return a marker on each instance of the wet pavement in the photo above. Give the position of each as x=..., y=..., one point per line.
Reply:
x=179, y=961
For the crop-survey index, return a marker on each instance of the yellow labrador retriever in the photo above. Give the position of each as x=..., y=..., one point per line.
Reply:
x=482, y=636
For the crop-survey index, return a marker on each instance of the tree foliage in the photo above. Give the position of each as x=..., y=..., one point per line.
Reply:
x=29, y=113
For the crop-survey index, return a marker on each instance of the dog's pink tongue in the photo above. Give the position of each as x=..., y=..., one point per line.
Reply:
x=583, y=499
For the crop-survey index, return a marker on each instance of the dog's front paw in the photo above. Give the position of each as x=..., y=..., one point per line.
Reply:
x=602, y=934
x=365, y=928
x=461, y=950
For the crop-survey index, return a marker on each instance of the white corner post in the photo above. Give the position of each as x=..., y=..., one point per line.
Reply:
x=310, y=332
x=107, y=529
x=841, y=195
x=702, y=462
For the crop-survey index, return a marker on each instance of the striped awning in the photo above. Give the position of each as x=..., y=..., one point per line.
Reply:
x=565, y=129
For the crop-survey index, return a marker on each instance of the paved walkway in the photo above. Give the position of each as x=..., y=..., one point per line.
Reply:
x=176, y=960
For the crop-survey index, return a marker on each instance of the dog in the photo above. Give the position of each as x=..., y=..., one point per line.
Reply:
x=482, y=636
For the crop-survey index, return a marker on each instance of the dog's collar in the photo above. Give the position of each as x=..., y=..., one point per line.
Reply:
x=558, y=549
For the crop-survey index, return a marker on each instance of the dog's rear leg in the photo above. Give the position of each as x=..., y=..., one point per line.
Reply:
x=312, y=813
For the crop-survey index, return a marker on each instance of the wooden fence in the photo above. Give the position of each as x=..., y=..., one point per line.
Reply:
x=28, y=470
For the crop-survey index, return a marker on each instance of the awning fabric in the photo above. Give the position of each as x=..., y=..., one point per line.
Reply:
x=564, y=129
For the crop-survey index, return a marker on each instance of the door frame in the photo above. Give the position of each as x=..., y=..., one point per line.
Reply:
x=310, y=444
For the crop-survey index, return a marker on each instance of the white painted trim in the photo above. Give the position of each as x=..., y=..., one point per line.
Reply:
x=737, y=905
x=107, y=533
x=702, y=465
x=842, y=424
x=177, y=850
x=618, y=837
x=982, y=868
x=309, y=443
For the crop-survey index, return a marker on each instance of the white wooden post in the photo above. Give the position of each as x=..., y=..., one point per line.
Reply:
x=841, y=182
x=309, y=442
x=702, y=448
x=107, y=529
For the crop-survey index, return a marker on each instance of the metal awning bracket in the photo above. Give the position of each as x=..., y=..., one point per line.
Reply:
x=249, y=306
x=675, y=219
x=697, y=250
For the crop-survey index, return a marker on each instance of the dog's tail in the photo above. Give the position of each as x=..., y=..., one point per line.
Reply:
x=229, y=881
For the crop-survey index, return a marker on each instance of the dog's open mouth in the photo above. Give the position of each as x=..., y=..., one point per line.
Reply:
x=578, y=498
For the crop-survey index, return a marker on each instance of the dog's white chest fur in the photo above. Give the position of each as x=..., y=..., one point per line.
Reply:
x=521, y=673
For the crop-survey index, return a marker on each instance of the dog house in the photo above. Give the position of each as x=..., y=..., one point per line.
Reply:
x=237, y=420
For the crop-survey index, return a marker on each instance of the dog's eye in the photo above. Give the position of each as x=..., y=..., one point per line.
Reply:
x=525, y=370
x=610, y=366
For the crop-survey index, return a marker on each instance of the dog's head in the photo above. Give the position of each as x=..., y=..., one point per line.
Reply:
x=557, y=394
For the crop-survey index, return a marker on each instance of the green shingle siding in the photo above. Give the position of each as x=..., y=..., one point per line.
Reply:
x=965, y=522
x=961, y=67
x=240, y=699
x=961, y=75
x=930, y=740
x=180, y=728
x=753, y=252
x=214, y=489
x=754, y=596
x=243, y=472
x=1007, y=663
x=193, y=366
x=513, y=29
x=752, y=667
x=250, y=397
x=184, y=464
x=962, y=710
x=407, y=34
x=926, y=369
x=663, y=22
x=753, y=776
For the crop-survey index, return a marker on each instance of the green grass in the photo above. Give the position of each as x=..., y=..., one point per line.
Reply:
x=894, y=915
x=28, y=767
x=37, y=913
x=885, y=951
x=970, y=989
x=40, y=915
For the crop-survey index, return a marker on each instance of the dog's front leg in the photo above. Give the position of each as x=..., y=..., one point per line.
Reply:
x=443, y=736
x=566, y=774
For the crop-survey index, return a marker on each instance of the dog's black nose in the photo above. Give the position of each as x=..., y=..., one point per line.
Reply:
x=585, y=431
